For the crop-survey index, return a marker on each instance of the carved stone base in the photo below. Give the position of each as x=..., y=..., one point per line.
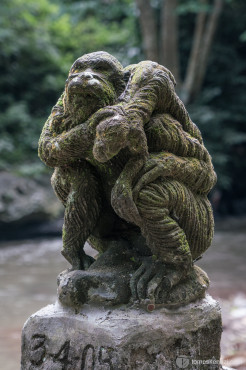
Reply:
x=107, y=282
x=57, y=338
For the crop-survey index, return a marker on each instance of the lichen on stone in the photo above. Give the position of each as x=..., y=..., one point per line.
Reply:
x=130, y=165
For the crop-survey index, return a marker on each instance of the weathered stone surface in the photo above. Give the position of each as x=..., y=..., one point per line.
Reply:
x=24, y=199
x=108, y=281
x=129, y=163
x=133, y=174
x=123, y=338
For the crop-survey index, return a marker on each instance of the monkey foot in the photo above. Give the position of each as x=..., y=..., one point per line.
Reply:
x=188, y=290
x=78, y=262
x=158, y=284
x=117, y=277
x=149, y=279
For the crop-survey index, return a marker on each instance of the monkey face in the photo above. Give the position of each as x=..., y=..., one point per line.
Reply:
x=93, y=83
x=87, y=91
x=103, y=65
x=82, y=81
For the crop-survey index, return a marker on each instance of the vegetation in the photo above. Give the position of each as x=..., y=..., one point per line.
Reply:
x=40, y=39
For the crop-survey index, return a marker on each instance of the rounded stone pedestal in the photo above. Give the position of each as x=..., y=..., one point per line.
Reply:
x=126, y=338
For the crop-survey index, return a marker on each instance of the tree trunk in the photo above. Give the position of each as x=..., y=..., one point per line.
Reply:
x=193, y=63
x=169, y=55
x=207, y=42
x=198, y=61
x=148, y=29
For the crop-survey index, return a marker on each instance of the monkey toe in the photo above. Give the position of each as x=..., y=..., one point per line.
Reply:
x=157, y=283
x=143, y=282
x=79, y=261
x=148, y=278
x=134, y=280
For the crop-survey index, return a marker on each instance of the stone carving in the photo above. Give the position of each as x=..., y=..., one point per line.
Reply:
x=57, y=338
x=133, y=174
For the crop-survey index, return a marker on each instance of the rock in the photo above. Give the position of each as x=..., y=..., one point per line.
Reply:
x=23, y=200
x=107, y=281
x=123, y=338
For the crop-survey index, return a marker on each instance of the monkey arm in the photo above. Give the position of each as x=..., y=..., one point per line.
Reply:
x=140, y=100
x=138, y=172
x=151, y=88
x=142, y=92
x=164, y=133
x=198, y=175
x=121, y=195
x=64, y=149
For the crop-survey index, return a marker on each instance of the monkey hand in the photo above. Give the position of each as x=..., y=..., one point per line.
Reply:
x=112, y=133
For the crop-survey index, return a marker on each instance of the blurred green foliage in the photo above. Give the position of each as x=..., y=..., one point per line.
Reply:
x=40, y=39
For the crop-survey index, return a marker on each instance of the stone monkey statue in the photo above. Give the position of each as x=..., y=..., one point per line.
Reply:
x=94, y=81
x=148, y=97
x=149, y=92
x=97, y=138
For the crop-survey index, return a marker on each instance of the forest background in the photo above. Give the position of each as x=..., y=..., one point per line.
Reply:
x=202, y=42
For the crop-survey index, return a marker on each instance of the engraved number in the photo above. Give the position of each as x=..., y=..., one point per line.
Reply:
x=87, y=355
x=62, y=354
x=38, y=349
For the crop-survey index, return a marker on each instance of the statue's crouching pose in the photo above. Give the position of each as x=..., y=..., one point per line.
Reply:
x=129, y=161
x=78, y=190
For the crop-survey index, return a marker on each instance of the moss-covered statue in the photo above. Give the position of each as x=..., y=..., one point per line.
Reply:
x=133, y=174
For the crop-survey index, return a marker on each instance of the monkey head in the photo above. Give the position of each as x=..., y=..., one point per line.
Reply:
x=95, y=80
